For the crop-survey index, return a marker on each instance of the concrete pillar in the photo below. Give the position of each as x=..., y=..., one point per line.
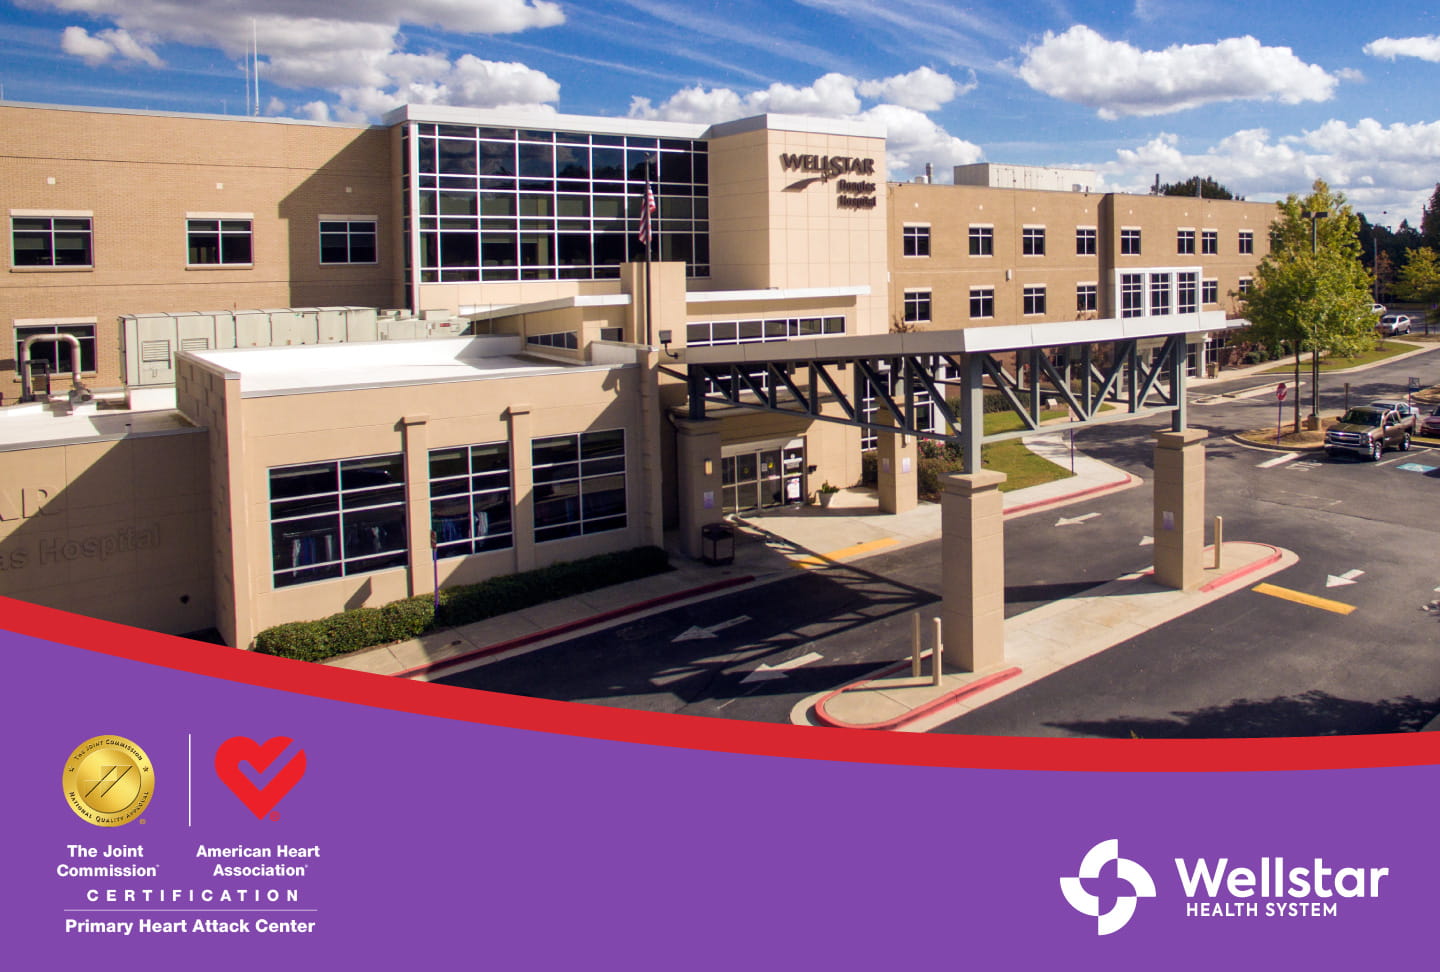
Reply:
x=697, y=446
x=972, y=568
x=522, y=486
x=651, y=512
x=1179, y=524
x=415, y=437
x=898, y=470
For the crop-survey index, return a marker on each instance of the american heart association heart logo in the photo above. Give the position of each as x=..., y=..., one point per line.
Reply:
x=241, y=749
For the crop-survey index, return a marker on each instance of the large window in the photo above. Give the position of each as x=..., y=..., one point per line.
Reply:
x=1247, y=241
x=579, y=484
x=1186, y=293
x=711, y=333
x=1130, y=242
x=1087, y=297
x=982, y=241
x=1159, y=294
x=1185, y=241
x=521, y=204
x=219, y=242
x=333, y=519
x=347, y=241
x=1085, y=241
x=51, y=241
x=56, y=356
x=982, y=302
x=470, y=499
x=917, y=306
x=917, y=241
x=1210, y=242
x=1132, y=294
x=1032, y=241
x=1034, y=299
x=1210, y=291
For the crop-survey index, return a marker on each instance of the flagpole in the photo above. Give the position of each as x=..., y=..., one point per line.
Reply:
x=649, y=327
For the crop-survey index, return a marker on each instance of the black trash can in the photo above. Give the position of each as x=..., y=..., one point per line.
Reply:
x=717, y=544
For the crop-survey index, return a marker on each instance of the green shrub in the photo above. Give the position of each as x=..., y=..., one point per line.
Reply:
x=414, y=616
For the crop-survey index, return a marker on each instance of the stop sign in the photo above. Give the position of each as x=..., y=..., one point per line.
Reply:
x=1280, y=392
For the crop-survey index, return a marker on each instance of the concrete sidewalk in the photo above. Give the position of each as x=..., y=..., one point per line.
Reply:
x=1037, y=643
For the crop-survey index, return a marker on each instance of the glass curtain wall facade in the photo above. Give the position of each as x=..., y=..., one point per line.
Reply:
x=492, y=204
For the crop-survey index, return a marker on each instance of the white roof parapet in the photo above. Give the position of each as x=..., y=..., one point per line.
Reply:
x=796, y=123
x=794, y=293
x=519, y=118
x=559, y=303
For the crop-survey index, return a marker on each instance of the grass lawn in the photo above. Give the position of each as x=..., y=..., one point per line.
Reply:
x=1390, y=350
x=1021, y=466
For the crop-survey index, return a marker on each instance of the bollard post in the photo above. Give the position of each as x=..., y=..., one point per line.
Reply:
x=935, y=659
x=915, y=647
x=1219, y=538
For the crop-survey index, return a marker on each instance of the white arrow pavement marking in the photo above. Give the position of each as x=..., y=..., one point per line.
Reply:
x=1066, y=521
x=1147, y=541
x=1278, y=460
x=766, y=672
x=696, y=634
x=1346, y=578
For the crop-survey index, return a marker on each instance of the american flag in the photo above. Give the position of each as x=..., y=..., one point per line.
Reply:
x=647, y=210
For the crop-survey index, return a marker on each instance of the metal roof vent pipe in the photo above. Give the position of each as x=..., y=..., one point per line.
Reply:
x=929, y=171
x=78, y=391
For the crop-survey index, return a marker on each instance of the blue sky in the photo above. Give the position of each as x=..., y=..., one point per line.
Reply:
x=1264, y=99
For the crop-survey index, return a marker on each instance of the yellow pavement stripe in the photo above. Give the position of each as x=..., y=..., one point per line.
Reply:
x=826, y=560
x=1310, y=600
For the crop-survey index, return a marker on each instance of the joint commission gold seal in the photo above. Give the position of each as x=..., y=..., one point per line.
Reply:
x=108, y=781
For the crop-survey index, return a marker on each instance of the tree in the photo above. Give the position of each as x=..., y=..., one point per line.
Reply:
x=1420, y=278
x=1311, y=291
x=1209, y=188
x=1430, y=221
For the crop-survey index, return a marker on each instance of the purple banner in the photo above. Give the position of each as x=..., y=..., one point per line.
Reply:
x=330, y=834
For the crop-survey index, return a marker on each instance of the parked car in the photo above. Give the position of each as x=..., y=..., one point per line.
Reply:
x=1377, y=309
x=1431, y=425
x=1394, y=324
x=1368, y=431
x=1409, y=415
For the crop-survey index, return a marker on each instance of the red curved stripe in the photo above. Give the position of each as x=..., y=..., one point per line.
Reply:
x=695, y=732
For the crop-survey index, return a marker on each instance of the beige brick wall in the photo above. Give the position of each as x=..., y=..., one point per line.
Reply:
x=950, y=271
x=139, y=174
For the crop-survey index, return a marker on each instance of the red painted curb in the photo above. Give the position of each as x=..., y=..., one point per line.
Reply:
x=1130, y=480
x=916, y=713
x=1247, y=569
x=569, y=626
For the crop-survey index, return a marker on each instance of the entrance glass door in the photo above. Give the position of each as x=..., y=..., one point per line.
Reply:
x=764, y=478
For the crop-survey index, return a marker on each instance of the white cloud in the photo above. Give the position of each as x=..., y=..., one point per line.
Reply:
x=98, y=48
x=923, y=89
x=1380, y=167
x=1425, y=48
x=1117, y=79
x=357, y=53
x=913, y=139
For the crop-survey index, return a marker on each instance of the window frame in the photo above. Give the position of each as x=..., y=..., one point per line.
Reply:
x=1131, y=243
x=1245, y=242
x=472, y=484
x=1185, y=241
x=556, y=475
x=221, y=233
x=1087, y=297
x=1209, y=242
x=349, y=233
x=343, y=507
x=918, y=307
x=26, y=329
x=982, y=239
x=1209, y=291
x=50, y=234
x=1087, y=240
x=1032, y=241
x=915, y=240
x=983, y=298
x=1033, y=300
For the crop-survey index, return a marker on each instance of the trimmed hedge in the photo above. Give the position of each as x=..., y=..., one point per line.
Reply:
x=414, y=616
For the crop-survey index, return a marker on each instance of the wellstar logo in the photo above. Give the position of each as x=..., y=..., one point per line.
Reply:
x=1088, y=904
